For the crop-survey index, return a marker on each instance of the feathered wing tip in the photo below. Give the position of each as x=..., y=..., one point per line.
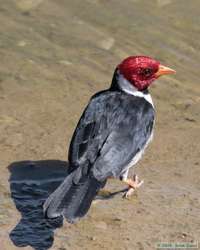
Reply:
x=72, y=200
x=52, y=206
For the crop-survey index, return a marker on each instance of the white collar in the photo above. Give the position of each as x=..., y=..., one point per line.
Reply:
x=127, y=87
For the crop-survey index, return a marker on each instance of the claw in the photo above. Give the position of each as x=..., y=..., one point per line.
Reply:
x=129, y=193
x=133, y=183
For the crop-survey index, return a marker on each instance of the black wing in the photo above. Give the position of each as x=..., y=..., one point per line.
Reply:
x=113, y=128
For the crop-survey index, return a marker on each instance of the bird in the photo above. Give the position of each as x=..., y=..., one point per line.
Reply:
x=110, y=137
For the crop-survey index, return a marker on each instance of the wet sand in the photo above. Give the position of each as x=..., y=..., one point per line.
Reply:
x=54, y=56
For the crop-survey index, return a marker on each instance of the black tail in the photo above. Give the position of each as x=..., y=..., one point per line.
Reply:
x=72, y=199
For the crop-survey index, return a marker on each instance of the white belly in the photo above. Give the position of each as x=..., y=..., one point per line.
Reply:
x=136, y=158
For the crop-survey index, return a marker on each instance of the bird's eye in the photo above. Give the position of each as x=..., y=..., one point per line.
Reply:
x=147, y=71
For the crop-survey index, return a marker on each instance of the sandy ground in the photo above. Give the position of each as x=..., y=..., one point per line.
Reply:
x=54, y=56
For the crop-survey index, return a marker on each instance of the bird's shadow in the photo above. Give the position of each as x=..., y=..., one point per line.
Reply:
x=31, y=182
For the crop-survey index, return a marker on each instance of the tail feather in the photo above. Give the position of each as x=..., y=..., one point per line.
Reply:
x=71, y=199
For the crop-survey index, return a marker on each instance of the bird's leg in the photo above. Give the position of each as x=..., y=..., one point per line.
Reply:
x=133, y=183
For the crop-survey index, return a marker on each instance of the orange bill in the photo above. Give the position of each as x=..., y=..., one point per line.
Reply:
x=163, y=70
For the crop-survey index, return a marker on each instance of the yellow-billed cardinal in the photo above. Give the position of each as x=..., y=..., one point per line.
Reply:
x=111, y=135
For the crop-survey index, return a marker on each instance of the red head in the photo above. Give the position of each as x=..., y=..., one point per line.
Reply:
x=141, y=71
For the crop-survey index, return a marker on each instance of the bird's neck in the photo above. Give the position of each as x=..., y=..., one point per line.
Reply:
x=119, y=83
